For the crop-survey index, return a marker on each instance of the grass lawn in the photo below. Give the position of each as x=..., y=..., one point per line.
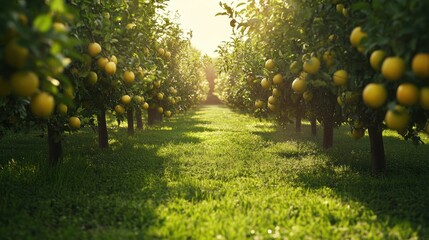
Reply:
x=213, y=174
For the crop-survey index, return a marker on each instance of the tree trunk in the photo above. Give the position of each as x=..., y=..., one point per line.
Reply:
x=54, y=145
x=328, y=123
x=139, y=118
x=328, y=131
x=377, y=150
x=298, y=123
x=153, y=116
x=130, y=118
x=103, y=137
x=298, y=118
x=313, y=125
x=151, y=112
x=160, y=117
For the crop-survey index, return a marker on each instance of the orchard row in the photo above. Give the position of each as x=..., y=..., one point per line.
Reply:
x=64, y=64
x=362, y=63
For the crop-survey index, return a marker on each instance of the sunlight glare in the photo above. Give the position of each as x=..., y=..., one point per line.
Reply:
x=198, y=16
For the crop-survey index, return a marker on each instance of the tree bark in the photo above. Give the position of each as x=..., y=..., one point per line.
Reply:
x=55, y=146
x=130, y=118
x=298, y=124
x=328, y=131
x=160, y=117
x=313, y=125
x=153, y=116
x=328, y=123
x=103, y=137
x=377, y=150
x=139, y=118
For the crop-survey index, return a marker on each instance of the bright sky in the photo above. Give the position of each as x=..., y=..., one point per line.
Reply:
x=208, y=31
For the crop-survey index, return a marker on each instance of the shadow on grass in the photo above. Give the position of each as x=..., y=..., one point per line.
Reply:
x=399, y=197
x=93, y=193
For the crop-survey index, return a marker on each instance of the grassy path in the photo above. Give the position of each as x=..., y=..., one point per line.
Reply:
x=213, y=174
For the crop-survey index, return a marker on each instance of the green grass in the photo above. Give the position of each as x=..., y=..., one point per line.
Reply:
x=213, y=174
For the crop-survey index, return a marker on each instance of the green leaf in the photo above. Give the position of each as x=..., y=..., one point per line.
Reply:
x=361, y=6
x=43, y=22
x=241, y=4
x=221, y=14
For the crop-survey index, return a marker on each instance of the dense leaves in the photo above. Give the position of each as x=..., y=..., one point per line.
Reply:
x=324, y=53
x=65, y=59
